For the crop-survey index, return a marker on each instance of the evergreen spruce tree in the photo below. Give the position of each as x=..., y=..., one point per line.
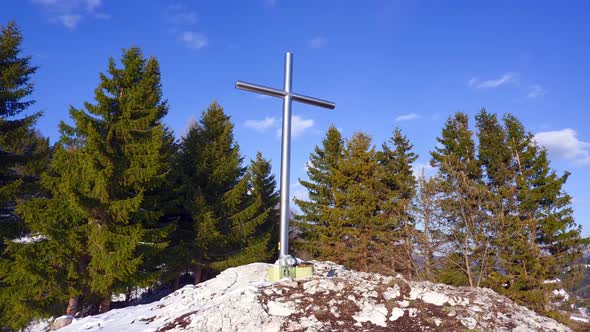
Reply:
x=254, y=223
x=23, y=152
x=228, y=209
x=211, y=168
x=463, y=199
x=120, y=142
x=313, y=219
x=400, y=182
x=42, y=275
x=264, y=187
x=357, y=230
x=552, y=237
x=517, y=263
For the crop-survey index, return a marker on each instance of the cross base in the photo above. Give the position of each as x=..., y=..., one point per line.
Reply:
x=291, y=268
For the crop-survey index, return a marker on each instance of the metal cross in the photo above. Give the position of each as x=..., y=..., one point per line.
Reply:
x=288, y=96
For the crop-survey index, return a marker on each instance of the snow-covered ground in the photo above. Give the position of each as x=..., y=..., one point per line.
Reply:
x=241, y=299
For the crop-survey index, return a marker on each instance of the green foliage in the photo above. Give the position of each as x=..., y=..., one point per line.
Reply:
x=462, y=196
x=357, y=231
x=232, y=210
x=99, y=224
x=506, y=214
x=314, y=217
x=23, y=152
x=39, y=277
x=400, y=186
x=120, y=141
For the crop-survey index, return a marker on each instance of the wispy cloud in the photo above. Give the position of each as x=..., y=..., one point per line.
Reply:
x=69, y=21
x=181, y=18
x=261, y=125
x=70, y=13
x=495, y=83
x=298, y=126
x=193, y=40
x=317, y=42
x=180, y=14
x=270, y=3
x=407, y=117
x=536, y=91
x=566, y=145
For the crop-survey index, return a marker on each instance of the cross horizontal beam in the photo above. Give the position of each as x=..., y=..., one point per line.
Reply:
x=281, y=94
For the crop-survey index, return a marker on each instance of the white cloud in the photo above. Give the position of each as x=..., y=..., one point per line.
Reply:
x=565, y=144
x=180, y=14
x=69, y=13
x=407, y=117
x=261, y=125
x=317, y=42
x=193, y=39
x=299, y=125
x=536, y=91
x=505, y=79
x=69, y=21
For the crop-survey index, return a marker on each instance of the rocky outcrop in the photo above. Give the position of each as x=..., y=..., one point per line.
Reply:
x=336, y=299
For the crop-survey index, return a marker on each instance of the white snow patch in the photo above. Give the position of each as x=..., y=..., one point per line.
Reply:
x=580, y=319
x=392, y=293
x=561, y=293
x=396, y=313
x=278, y=309
x=435, y=298
x=30, y=239
x=376, y=314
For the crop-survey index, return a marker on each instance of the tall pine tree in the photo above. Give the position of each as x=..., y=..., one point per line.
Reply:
x=517, y=258
x=313, y=218
x=462, y=199
x=121, y=145
x=398, y=178
x=545, y=212
x=231, y=208
x=357, y=231
x=264, y=187
x=23, y=152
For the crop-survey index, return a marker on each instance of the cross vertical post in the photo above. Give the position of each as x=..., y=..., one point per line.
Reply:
x=286, y=160
x=288, y=96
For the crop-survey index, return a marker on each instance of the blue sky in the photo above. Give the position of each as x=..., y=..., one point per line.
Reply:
x=385, y=64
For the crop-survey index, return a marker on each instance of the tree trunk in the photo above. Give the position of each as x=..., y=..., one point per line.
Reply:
x=72, y=308
x=197, y=273
x=427, y=261
x=105, y=305
x=176, y=284
x=467, y=264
